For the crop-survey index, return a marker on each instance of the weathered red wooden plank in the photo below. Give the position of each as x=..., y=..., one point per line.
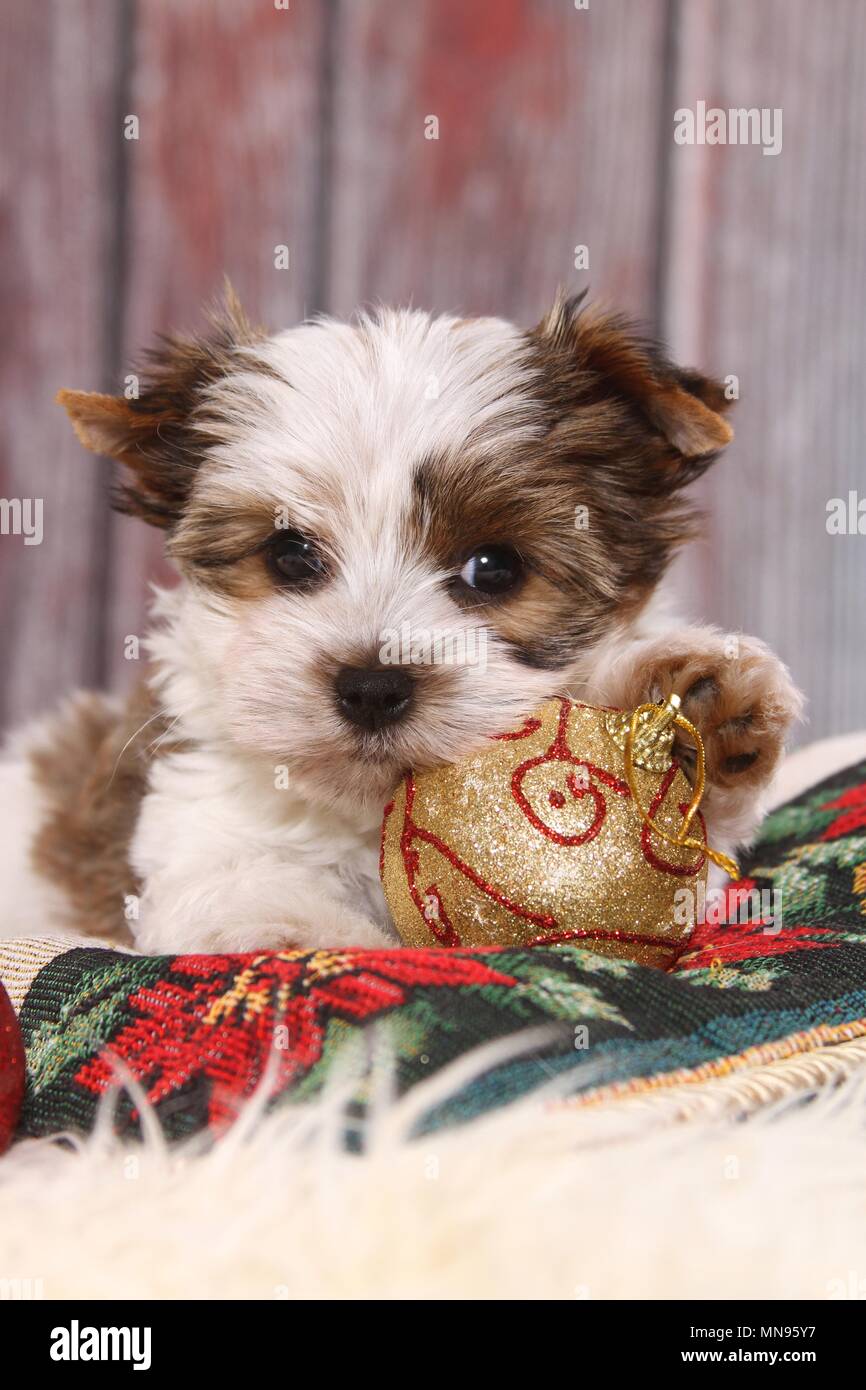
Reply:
x=547, y=140
x=767, y=281
x=57, y=75
x=225, y=170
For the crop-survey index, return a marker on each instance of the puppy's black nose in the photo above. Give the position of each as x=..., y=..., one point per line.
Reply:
x=372, y=699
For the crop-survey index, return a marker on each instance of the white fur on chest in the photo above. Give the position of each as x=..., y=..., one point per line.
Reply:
x=227, y=858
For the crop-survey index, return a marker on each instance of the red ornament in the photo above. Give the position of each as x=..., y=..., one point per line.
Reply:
x=11, y=1070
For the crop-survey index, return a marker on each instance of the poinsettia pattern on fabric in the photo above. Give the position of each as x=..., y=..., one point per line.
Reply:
x=810, y=890
x=196, y=1035
x=231, y=1019
x=726, y=938
x=852, y=805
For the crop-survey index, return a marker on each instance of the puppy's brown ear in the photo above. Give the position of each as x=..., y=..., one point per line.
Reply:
x=155, y=435
x=609, y=357
x=103, y=424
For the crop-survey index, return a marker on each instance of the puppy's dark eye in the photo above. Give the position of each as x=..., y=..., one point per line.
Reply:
x=492, y=569
x=294, y=559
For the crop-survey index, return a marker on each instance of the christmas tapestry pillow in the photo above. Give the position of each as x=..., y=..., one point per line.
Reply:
x=777, y=968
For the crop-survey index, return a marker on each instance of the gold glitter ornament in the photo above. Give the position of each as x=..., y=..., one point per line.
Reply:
x=578, y=826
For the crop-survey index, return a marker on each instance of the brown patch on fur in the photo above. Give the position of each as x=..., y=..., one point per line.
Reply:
x=92, y=770
x=158, y=437
x=622, y=431
x=593, y=355
x=599, y=455
x=223, y=545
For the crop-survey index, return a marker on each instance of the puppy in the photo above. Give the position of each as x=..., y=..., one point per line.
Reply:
x=320, y=489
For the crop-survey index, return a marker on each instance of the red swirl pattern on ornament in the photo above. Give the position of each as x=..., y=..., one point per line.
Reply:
x=531, y=726
x=664, y=865
x=439, y=923
x=629, y=938
x=448, y=936
x=559, y=751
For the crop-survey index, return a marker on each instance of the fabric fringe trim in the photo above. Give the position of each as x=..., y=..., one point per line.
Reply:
x=21, y=959
x=760, y=1076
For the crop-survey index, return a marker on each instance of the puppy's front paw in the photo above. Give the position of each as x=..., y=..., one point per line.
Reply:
x=733, y=689
x=337, y=928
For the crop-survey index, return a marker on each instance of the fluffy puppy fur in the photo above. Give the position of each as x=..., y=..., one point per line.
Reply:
x=320, y=488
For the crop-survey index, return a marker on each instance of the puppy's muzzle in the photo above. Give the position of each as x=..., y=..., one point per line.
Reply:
x=371, y=699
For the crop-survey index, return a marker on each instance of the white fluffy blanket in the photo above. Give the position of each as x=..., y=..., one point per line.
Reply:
x=550, y=1202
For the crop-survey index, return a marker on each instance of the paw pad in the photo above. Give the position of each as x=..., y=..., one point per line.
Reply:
x=741, y=762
